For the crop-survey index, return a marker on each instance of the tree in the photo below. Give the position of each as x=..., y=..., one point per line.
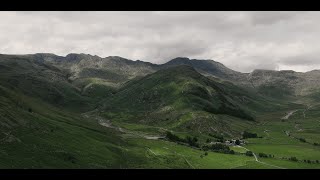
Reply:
x=249, y=153
x=249, y=135
x=220, y=140
x=173, y=137
x=293, y=159
x=263, y=155
x=309, y=161
x=237, y=142
x=192, y=141
x=195, y=139
x=205, y=148
x=30, y=110
x=302, y=140
x=189, y=139
x=208, y=140
x=217, y=136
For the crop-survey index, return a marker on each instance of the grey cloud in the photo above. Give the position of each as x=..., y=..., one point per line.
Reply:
x=267, y=18
x=302, y=59
x=249, y=63
x=241, y=40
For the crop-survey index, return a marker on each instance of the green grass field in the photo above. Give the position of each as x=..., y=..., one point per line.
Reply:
x=273, y=141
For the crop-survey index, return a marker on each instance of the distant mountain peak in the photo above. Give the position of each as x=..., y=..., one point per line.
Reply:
x=46, y=54
x=180, y=59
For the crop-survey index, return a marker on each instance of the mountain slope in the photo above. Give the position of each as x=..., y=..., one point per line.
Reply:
x=176, y=97
x=181, y=87
x=34, y=134
x=285, y=84
x=43, y=81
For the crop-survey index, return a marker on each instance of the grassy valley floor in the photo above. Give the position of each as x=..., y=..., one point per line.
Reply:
x=286, y=151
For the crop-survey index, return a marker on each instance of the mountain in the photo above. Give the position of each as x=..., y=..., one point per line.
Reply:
x=276, y=84
x=81, y=82
x=179, y=97
x=285, y=83
x=39, y=79
x=129, y=69
x=93, y=76
x=86, y=70
x=208, y=68
x=178, y=87
x=84, y=111
x=77, y=63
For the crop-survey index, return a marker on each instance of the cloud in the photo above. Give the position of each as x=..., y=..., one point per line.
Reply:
x=243, y=41
x=302, y=59
x=270, y=17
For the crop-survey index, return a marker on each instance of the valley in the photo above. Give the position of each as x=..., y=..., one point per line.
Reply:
x=83, y=111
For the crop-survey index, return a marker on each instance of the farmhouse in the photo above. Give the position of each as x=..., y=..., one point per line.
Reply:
x=232, y=142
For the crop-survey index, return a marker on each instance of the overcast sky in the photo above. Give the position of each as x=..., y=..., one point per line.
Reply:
x=243, y=41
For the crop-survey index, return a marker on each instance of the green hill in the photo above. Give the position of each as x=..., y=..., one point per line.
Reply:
x=180, y=88
x=43, y=81
x=178, y=96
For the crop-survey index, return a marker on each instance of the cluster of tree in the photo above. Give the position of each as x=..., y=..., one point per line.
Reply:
x=316, y=144
x=205, y=154
x=192, y=141
x=293, y=159
x=246, y=135
x=263, y=155
x=173, y=137
x=249, y=153
x=302, y=140
x=218, y=148
x=217, y=136
x=310, y=161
